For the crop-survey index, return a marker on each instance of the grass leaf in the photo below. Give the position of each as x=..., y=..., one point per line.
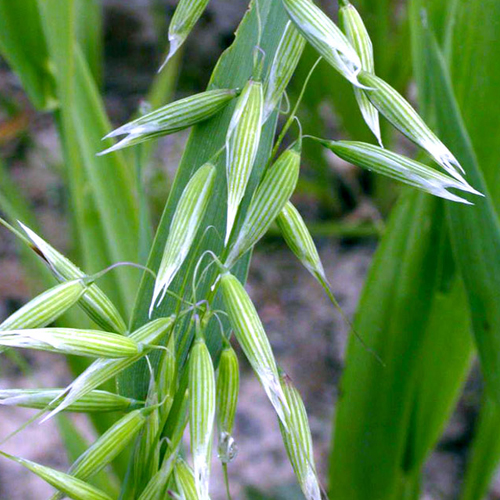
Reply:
x=232, y=71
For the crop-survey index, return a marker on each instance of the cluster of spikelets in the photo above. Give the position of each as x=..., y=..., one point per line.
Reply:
x=203, y=399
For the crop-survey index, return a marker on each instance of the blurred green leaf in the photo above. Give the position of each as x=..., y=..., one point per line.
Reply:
x=22, y=43
x=89, y=33
x=475, y=233
x=475, y=74
x=410, y=298
x=485, y=453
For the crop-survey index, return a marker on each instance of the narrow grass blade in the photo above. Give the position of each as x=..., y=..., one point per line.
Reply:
x=23, y=45
x=475, y=35
x=102, y=186
x=410, y=276
x=74, y=488
x=481, y=226
x=484, y=455
x=89, y=32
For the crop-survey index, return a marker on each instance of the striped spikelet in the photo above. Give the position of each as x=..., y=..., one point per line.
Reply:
x=90, y=343
x=402, y=115
x=201, y=414
x=155, y=489
x=242, y=143
x=183, y=228
x=251, y=336
x=273, y=192
x=46, y=307
x=185, y=481
x=322, y=33
x=72, y=487
x=283, y=67
x=167, y=378
x=94, y=301
x=185, y=17
x=298, y=442
x=228, y=385
x=357, y=34
x=147, y=453
x=299, y=239
x=93, y=402
x=399, y=167
x=108, y=446
x=102, y=370
x=171, y=118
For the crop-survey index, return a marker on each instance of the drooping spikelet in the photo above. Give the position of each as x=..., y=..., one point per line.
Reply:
x=94, y=402
x=251, y=336
x=228, y=385
x=270, y=197
x=72, y=487
x=74, y=341
x=283, y=67
x=201, y=414
x=242, y=143
x=357, y=34
x=322, y=33
x=102, y=370
x=399, y=167
x=94, y=301
x=298, y=442
x=402, y=115
x=173, y=117
x=187, y=219
x=185, y=17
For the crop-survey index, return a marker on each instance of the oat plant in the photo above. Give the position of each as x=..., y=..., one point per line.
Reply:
x=159, y=336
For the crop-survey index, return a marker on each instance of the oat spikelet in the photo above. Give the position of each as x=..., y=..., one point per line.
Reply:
x=201, y=414
x=251, y=336
x=242, y=143
x=400, y=168
x=357, y=34
x=185, y=223
x=322, y=33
